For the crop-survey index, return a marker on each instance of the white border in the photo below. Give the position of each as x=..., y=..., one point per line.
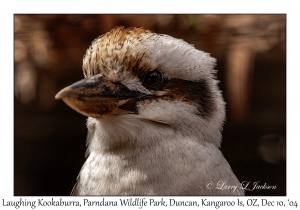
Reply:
x=125, y=6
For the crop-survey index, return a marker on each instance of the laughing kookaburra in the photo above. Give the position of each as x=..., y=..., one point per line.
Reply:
x=155, y=116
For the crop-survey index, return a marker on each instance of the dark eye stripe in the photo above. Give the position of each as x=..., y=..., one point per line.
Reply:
x=195, y=92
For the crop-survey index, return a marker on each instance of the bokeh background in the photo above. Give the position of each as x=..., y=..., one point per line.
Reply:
x=49, y=137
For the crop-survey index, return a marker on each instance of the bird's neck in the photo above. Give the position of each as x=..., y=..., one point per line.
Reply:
x=121, y=134
x=129, y=133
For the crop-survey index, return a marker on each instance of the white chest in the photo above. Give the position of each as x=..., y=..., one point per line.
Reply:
x=165, y=170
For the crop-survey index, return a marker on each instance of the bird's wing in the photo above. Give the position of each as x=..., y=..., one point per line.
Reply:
x=74, y=191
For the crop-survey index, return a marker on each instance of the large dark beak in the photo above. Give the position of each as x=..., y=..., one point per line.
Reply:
x=97, y=96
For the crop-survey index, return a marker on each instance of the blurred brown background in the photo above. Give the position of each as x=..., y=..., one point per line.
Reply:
x=49, y=137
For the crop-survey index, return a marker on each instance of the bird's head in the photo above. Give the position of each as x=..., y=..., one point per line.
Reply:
x=154, y=78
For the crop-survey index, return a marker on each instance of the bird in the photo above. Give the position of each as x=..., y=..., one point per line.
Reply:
x=155, y=116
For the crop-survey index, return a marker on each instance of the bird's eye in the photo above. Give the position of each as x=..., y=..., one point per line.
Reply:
x=152, y=79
